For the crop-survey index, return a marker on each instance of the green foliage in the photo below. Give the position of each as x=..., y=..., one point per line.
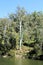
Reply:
x=32, y=29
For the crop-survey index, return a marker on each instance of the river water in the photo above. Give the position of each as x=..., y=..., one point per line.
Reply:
x=19, y=61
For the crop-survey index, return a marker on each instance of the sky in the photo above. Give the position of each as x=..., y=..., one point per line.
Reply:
x=9, y=6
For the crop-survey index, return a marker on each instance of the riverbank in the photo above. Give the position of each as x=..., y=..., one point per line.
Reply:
x=25, y=52
x=17, y=52
x=21, y=53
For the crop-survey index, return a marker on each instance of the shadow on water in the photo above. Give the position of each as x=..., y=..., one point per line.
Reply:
x=19, y=61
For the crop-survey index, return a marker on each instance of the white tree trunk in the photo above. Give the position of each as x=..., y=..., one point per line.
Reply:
x=20, y=34
x=5, y=30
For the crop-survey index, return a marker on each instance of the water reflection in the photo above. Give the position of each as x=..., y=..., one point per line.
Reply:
x=19, y=61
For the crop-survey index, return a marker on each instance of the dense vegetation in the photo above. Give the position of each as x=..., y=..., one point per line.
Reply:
x=32, y=32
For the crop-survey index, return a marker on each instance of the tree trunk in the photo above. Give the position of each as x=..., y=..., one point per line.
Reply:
x=20, y=34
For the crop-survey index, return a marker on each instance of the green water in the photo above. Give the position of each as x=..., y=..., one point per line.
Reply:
x=18, y=61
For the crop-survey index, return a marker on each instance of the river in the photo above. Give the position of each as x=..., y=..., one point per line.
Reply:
x=19, y=61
